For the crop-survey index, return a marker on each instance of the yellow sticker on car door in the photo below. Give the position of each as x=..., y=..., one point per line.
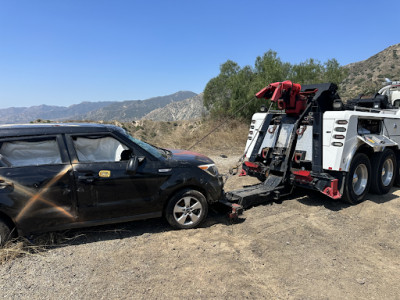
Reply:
x=104, y=173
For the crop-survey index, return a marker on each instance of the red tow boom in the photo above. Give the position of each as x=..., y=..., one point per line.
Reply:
x=287, y=95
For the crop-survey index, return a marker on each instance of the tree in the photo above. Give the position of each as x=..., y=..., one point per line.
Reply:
x=232, y=92
x=307, y=72
x=219, y=90
x=270, y=68
x=242, y=93
x=229, y=68
x=334, y=72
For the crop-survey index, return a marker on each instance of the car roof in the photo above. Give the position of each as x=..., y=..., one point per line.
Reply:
x=7, y=130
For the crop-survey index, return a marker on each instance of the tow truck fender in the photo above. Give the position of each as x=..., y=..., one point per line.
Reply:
x=377, y=143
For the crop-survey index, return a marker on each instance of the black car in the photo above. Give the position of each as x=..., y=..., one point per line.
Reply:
x=59, y=176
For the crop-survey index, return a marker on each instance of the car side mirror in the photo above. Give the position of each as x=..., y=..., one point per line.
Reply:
x=133, y=164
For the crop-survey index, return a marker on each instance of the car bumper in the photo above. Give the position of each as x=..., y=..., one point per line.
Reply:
x=215, y=189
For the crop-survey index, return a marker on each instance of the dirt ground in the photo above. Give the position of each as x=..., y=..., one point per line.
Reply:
x=305, y=247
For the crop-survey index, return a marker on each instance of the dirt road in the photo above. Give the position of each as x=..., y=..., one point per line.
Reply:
x=306, y=247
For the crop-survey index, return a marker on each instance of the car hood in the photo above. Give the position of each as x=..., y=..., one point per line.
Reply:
x=190, y=157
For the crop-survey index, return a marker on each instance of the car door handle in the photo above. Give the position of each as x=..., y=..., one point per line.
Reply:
x=4, y=184
x=88, y=179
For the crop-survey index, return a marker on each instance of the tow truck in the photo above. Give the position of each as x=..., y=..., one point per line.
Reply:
x=312, y=139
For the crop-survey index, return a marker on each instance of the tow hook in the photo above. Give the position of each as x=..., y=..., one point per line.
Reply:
x=237, y=210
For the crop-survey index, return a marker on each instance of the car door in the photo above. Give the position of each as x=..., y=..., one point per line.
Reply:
x=105, y=190
x=36, y=183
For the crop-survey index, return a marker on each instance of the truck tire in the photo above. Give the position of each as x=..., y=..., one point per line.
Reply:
x=358, y=180
x=397, y=177
x=5, y=232
x=384, y=168
x=187, y=209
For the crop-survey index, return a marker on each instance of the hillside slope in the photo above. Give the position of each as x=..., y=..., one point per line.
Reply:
x=189, y=109
x=368, y=75
x=131, y=110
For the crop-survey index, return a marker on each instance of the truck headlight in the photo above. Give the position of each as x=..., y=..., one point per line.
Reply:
x=210, y=169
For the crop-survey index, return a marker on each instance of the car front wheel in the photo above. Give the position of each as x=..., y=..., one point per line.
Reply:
x=187, y=209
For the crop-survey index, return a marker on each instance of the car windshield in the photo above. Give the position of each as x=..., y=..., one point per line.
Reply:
x=153, y=150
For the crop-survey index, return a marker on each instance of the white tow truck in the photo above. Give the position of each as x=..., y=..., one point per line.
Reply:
x=392, y=91
x=314, y=140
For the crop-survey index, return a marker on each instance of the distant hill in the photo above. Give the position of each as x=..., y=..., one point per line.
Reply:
x=368, y=75
x=47, y=112
x=132, y=110
x=95, y=111
x=188, y=109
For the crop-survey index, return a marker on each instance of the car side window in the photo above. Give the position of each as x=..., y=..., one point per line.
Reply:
x=100, y=149
x=29, y=152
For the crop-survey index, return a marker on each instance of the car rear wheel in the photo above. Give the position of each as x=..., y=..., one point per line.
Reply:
x=5, y=232
x=358, y=180
x=384, y=168
x=187, y=209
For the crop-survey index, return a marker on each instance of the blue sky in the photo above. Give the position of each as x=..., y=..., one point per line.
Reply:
x=64, y=52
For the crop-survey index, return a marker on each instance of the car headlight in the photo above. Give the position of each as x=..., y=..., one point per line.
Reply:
x=210, y=169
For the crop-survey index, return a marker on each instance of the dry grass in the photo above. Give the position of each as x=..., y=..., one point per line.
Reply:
x=16, y=248
x=21, y=246
x=222, y=135
x=228, y=135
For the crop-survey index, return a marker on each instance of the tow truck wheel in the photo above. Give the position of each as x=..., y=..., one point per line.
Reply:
x=358, y=180
x=187, y=209
x=384, y=168
x=397, y=177
x=5, y=232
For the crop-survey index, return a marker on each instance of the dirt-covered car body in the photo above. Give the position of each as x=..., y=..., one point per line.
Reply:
x=58, y=176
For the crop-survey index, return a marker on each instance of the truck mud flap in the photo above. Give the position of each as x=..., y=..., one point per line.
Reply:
x=256, y=194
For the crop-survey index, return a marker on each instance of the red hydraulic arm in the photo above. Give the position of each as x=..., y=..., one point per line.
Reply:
x=287, y=95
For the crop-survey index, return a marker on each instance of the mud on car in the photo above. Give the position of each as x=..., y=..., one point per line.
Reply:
x=62, y=176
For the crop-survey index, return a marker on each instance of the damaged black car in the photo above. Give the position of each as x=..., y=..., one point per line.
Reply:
x=62, y=176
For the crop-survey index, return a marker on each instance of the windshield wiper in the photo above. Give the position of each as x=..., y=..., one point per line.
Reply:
x=166, y=152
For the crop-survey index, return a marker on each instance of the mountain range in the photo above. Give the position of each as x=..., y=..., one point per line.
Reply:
x=95, y=111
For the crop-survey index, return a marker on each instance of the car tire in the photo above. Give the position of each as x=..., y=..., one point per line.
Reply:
x=358, y=179
x=5, y=232
x=187, y=209
x=384, y=168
